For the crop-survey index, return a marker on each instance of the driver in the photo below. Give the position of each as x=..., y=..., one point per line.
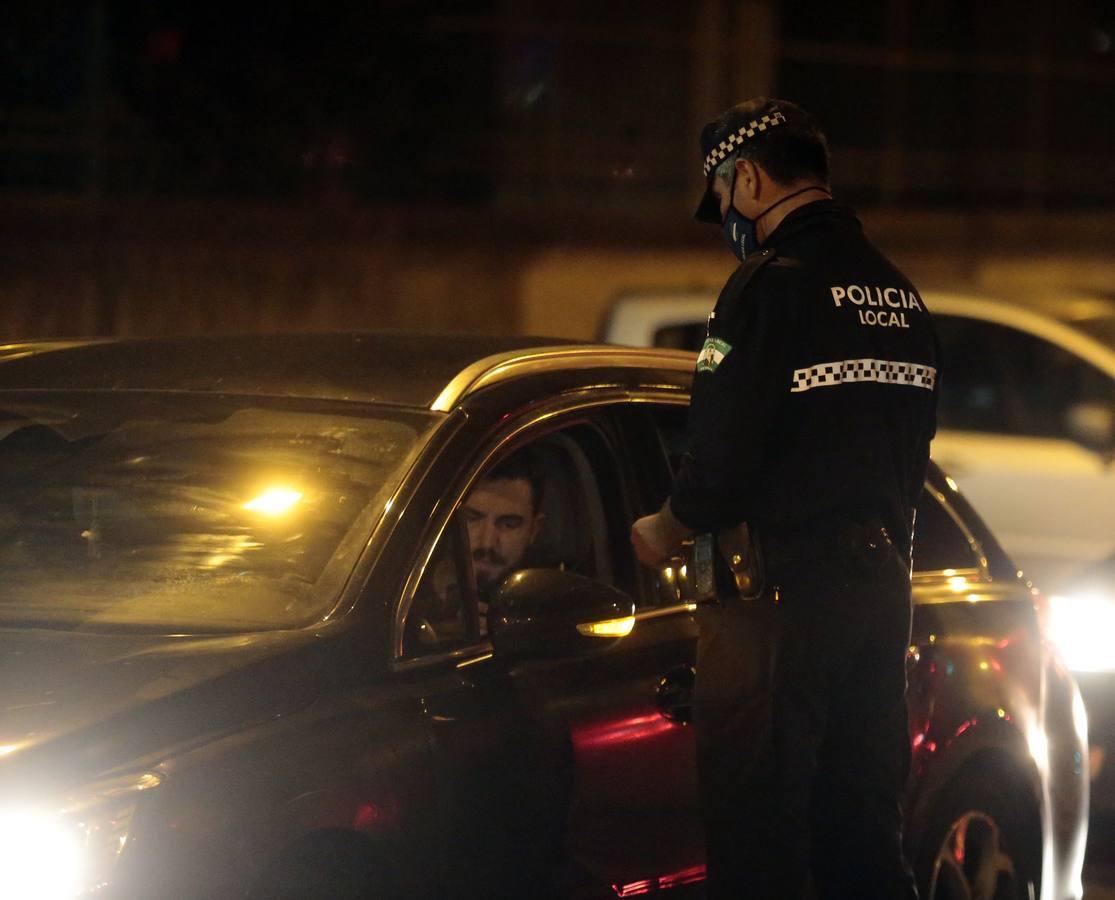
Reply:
x=504, y=518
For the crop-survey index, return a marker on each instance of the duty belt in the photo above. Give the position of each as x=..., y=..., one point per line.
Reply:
x=839, y=539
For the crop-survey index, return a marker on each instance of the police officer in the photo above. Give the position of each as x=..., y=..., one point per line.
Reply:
x=813, y=407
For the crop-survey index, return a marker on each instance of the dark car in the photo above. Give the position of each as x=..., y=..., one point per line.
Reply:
x=244, y=650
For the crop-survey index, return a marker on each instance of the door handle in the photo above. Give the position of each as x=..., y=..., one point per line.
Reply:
x=674, y=696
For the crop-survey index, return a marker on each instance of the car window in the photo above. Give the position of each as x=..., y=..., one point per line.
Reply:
x=1051, y=381
x=668, y=585
x=681, y=336
x=553, y=502
x=443, y=613
x=975, y=382
x=1002, y=380
x=939, y=542
x=187, y=513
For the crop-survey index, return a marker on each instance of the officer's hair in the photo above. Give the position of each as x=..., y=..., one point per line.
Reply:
x=788, y=153
x=525, y=464
x=724, y=170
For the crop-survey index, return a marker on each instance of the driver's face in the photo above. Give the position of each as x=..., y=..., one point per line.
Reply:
x=501, y=524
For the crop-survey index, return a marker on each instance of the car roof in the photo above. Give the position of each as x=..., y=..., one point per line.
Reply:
x=1056, y=319
x=633, y=310
x=1064, y=306
x=414, y=370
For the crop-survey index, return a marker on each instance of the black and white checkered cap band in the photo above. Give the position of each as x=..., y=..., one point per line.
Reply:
x=732, y=142
x=851, y=370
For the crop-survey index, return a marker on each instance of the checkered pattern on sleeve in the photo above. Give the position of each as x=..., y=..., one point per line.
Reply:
x=852, y=370
x=732, y=142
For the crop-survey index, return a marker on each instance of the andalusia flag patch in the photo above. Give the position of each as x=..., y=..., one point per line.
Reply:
x=712, y=354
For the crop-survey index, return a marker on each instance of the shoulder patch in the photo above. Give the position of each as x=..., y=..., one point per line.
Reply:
x=712, y=354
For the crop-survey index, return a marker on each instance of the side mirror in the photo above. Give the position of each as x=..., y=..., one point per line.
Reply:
x=547, y=613
x=1091, y=424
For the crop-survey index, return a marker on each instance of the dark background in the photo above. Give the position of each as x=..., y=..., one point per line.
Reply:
x=484, y=104
x=493, y=165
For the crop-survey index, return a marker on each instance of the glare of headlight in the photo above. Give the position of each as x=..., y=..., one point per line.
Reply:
x=276, y=501
x=1079, y=717
x=1038, y=743
x=609, y=628
x=40, y=857
x=1081, y=627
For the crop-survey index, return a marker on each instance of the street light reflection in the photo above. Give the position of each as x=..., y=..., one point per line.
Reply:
x=275, y=501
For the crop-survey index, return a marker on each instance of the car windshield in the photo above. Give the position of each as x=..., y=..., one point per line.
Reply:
x=187, y=513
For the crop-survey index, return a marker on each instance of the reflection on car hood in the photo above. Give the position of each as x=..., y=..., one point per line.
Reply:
x=92, y=702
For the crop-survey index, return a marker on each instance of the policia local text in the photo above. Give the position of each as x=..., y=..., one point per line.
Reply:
x=895, y=298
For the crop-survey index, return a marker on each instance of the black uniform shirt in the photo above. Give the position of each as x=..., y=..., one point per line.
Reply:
x=815, y=393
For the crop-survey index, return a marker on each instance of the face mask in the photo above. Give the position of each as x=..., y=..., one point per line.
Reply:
x=740, y=231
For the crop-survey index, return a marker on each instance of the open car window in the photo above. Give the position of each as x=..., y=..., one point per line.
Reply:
x=547, y=503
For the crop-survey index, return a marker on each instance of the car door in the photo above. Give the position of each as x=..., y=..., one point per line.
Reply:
x=635, y=816
x=1009, y=401
x=576, y=758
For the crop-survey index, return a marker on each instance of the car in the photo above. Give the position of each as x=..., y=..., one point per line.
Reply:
x=1027, y=426
x=246, y=651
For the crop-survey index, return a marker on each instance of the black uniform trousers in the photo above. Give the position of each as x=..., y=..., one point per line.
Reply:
x=801, y=726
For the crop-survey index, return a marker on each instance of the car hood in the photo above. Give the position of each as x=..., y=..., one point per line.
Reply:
x=87, y=703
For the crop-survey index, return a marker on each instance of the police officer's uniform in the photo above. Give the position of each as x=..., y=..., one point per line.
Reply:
x=813, y=407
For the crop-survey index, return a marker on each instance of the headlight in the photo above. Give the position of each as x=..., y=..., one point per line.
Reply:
x=40, y=856
x=1082, y=626
x=70, y=850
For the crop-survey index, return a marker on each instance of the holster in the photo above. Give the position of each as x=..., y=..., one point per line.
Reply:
x=741, y=559
x=866, y=546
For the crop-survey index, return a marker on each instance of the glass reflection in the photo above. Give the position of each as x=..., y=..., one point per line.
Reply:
x=186, y=512
x=275, y=501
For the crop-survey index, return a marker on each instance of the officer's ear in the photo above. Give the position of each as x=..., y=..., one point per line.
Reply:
x=749, y=179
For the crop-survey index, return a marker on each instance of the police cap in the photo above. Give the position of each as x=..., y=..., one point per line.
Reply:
x=753, y=122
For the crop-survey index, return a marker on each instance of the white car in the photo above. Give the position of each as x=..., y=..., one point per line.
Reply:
x=1026, y=418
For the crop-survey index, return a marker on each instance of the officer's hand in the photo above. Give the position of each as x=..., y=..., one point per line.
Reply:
x=651, y=542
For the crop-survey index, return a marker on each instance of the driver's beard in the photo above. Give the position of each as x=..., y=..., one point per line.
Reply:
x=485, y=580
